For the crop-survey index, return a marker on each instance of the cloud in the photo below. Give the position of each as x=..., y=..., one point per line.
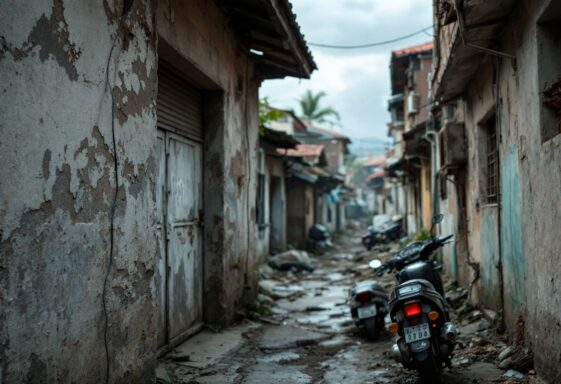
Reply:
x=356, y=81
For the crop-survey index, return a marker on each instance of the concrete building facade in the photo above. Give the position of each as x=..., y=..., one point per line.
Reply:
x=126, y=224
x=504, y=191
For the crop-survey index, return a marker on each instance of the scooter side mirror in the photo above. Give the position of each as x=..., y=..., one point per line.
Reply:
x=375, y=264
x=437, y=219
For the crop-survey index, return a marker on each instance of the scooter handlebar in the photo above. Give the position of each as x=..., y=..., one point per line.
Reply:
x=442, y=240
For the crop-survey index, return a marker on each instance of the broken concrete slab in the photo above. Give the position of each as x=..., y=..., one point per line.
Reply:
x=207, y=347
x=277, y=289
x=292, y=260
x=273, y=373
x=284, y=337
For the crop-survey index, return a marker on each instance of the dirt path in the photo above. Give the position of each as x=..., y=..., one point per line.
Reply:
x=308, y=336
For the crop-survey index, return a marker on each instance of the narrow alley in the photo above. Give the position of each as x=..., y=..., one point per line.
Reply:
x=300, y=331
x=280, y=191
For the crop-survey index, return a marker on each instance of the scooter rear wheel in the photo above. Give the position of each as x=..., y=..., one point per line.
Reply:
x=372, y=329
x=429, y=372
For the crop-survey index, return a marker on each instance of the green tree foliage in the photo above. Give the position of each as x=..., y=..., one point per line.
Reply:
x=266, y=113
x=312, y=112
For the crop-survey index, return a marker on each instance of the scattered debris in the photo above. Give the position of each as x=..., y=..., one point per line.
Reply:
x=506, y=352
x=513, y=373
x=266, y=272
x=303, y=332
x=278, y=290
x=292, y=260
x=523, y=360
x=457, y=297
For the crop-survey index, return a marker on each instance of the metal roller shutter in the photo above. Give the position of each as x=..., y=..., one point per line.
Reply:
x=180, y=105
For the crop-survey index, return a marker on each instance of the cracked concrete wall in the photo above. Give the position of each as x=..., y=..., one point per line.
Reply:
x=197, y=37
x=530, y=175
x=58, y=187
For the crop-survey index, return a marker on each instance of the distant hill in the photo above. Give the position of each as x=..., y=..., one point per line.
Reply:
x=364, y=146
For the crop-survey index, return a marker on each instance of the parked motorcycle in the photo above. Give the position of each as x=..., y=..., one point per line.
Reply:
x=319, y=239
x=425, y=335
x=384, y=230
x=368, y=302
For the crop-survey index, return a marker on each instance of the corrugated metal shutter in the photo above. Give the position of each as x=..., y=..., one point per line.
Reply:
x=180, y=105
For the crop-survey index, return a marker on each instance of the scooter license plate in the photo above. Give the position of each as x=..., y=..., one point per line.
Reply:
x=416, y=333
x=364, y=312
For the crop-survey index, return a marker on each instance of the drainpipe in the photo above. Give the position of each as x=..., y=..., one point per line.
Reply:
x=499, y=265
x=435, y=161
x=461, y=22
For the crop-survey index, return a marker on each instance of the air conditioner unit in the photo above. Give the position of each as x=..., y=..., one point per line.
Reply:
x=449, y=113
x=413, y=102
x=453, y=144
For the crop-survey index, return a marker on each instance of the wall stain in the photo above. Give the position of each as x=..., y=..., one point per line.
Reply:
x=128, y=102
x=53, y=38
x=46, y=164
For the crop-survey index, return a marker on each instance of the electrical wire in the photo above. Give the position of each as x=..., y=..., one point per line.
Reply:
x=369, y=45
x=111, y=216
x=127, y=4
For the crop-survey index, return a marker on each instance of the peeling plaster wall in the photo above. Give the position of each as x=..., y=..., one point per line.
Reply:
x=58, y=187
x=530, y=175
x=198, y=34
x=482, y=217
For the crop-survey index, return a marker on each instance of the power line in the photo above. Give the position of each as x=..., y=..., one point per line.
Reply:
x=369, y=44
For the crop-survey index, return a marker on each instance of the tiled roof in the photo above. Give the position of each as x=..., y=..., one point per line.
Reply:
x=329, y=132
x=302, y=150
x=414, y=49
x=380, y=160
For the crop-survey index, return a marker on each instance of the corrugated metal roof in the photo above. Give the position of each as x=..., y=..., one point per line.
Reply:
x=380, y=160
x=328, y=132
x=270, y=27
x=302, y=150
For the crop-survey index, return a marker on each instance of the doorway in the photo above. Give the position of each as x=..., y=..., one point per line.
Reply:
x=179, y=195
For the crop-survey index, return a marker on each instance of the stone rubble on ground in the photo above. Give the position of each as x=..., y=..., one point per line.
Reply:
x=303, y=333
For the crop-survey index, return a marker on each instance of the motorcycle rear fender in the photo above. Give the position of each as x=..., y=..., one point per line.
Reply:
x=427, y=295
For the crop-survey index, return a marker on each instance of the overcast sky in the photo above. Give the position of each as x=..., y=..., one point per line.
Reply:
x=357, y=82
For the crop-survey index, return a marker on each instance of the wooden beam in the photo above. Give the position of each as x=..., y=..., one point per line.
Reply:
x=272, y=51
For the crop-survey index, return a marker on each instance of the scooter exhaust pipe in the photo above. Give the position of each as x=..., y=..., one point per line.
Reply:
x=449, y=332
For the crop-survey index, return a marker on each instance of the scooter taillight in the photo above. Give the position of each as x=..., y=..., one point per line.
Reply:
x=363, y=297
x=412, y=309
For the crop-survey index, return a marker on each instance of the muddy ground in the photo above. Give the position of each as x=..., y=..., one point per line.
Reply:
x=300, y=331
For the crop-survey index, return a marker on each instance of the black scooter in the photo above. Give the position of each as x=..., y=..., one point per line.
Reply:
x=392, y=231
x=368, y=302
x=425, y=336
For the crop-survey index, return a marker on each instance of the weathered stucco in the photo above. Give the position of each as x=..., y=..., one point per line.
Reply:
x=59, y=185
x=196, y=36
x=530, y=175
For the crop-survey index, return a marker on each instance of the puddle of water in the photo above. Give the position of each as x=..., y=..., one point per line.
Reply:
x=335, y=276
x=279, y=357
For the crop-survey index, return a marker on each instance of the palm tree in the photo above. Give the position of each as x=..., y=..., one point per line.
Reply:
x=312, y=112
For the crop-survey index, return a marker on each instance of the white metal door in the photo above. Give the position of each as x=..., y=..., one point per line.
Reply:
x=179, y=279
x=180, y=266
x=183, y=227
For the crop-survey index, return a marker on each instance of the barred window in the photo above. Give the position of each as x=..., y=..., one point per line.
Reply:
x=492, y=189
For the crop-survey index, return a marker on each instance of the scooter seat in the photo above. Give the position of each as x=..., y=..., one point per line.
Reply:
x=368, y=285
